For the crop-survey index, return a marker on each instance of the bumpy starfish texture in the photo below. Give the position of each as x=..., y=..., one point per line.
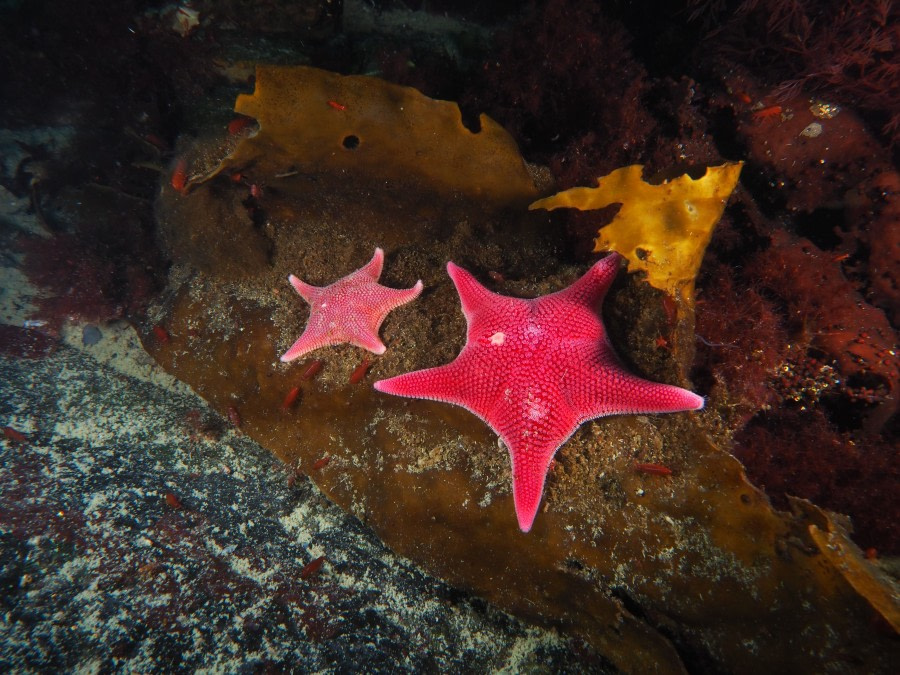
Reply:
x=536, y=369
x=349, y=310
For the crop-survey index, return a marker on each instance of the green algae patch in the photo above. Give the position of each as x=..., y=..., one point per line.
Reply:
x=664, y=573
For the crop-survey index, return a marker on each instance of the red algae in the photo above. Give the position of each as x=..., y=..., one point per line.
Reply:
x=823, y=307
x=741, y=341
x=105, y=268
x=839, y=46
x=14, y=435
x=237, y=126
x=26, y=343
x=532, y=95
x=79, y=282
x=799, y=452
x=804, y=365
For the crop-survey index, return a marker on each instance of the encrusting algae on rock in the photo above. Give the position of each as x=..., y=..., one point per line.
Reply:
x=688, y=568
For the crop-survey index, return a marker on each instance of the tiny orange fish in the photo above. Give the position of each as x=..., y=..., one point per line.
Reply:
x=179, y=175
x=771, y=111
x=655, y=469
x=312, y=567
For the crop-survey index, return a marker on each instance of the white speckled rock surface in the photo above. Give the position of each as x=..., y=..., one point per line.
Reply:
x=99, y=571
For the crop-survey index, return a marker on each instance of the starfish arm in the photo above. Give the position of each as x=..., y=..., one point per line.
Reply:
x=472, y=295
x=639, y=396
x=375, y=346
x=304, y=290
x=529, y=474
x=385, y=299
x=435, y=384
x=307, y=342
x=621, y=393
x=365, y=338
x=534, y=419
x=531, y=449
x=362, y=327
x=591, y=288
x=451, y=383
x=409, y=294
x=371, y=269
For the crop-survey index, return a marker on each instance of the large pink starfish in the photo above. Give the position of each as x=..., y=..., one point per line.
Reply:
x=349, y=310
x=535, y=370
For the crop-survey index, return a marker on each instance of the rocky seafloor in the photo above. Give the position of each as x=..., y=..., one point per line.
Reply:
x=140, y=532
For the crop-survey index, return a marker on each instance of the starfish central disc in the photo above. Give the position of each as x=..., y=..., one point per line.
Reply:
x=349, y=310
x=536, y=369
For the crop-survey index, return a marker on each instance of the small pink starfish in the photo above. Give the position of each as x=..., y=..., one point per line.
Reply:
x=349, y=310
x=535, y=370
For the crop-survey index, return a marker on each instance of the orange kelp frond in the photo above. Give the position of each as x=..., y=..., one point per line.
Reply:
x=662, y=229
x=314, y=121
